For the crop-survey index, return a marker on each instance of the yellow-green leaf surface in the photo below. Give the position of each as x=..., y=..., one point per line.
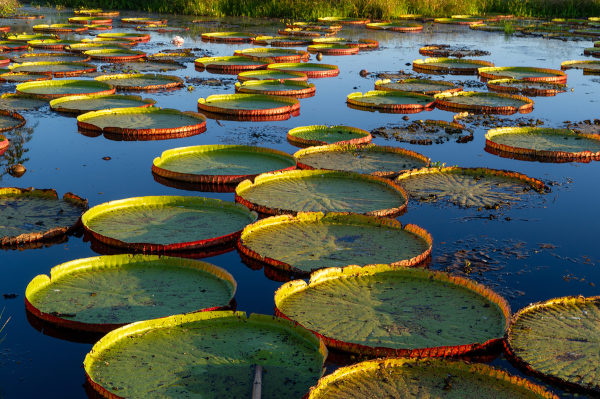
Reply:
x=450, y=63
x=423, y=86
x=125, y=81
x=543, y=139
x=381, y=97
x=473, y=98
x=80, y=104
x=520, y=72
x=242, y=101
x=322, y=134
x=300, y=67
x=260, y=86
x=18, y=102
x=49, y=57
x=141, y=118
x=63, y=87
x=51, y=67
x=270, y=75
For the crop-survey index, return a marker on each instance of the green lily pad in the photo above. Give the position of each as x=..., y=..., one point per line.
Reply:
x=10, y=120
x=140, y=82
x=425, y=132
x=59, y=88
x=290, y=242
x=380, y=309
x=50, y=57
x=51, y=44
x=345, y=20
x=450, y=65
x=526, y=87
x=105, y=292
x=248, y=104
x=207, y=354
x=234, y=37
x=270, y=75
x=59, y=28
x=7, y=45
x=89, y=20
x=56, y=69
x=305, y=136
x=483, y=102
x=114, y=55
x=593, y=51
x=82, y=47
x=25, y=37
x=321, y=191
x=96, y=12
x=423, y=86
x=282, y=41
x=82, y=104
x=271, y=55
x=22, y=77
x=390, y=101
x=292, y=88
x=588, y=67
x=465, y=20
x=333, y=48
x=20, y=102
x=133, y=37
x=395, y=26
x=143, y=21
x=310, y=69
x=524, y=73
x=232, y=64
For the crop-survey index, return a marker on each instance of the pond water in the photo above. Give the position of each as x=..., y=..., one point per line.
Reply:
x=527, y=253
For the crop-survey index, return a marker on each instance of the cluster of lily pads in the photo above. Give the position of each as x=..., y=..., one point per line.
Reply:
x=326, y=213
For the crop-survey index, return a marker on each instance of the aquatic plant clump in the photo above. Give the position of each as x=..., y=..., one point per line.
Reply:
x=298, y=89
x=289, y=242
x=229, y=64
x=141, y=81
x=310, y=69
x=496, y=103
x=425, y=132
x=524, y=73
x=526, y=87
x=401, y=312
x=83, y=104
x=241, y=104
x=434, y=378
x=106, y=292
x=305, y=136
x=390, y=101
x=443, y=65
x=59, y=88
x=470, y=187
x=558, y=340
x=423, y=86
x=159, y=224
x=36, y=215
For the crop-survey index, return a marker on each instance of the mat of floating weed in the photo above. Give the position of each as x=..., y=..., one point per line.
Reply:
x=57, y=69
x=30, y=215
x=211, y=354
x=232, y=37
x=106, y=292
x=423, y=86
x=310, y=69
x=333, y=49
x=321, y=191
x=450, y=65
x=470, y=187
x=305, y=136
x=558, y=339
x=89, y=20
x=163, y=223
x=291, y=88
x=60, y=28
x=58, y=88
x=133, y=37
x=143, y=21
x=588, y=67
x=230, y=64
x=272, y=55
x=20, y=102
x=459, y=21
x=220, y=164
x=115, y=55
x=543, y=143
x=25, y=37
x=524, y=73
x=50, y=57
x=243, y=104
x=390, y=101
x=83, y=104
x=483, y=102
x=382, y=310
x=51, y=44
x=82, y=47
x=425, y=132
x=526, y=87
x=141, y=81
x=395, y=26
x=10, y=120
x=363, y=158
x=446, y=50
x=290, y=242
x=7, y=45
x=165, y=65
x=270, y=75
x=431, y=378
x=142, y=121
x=344, y=20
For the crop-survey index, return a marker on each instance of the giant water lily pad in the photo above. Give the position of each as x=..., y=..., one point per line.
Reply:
x=270, y=75
x=369, y=158
x=526, y=87
x=425, y=132
x=4, y=143
x=96, y=12
x=219, y=164
x=165, y=65
x=321, y=191
x=30, y=215
x=431, y=378
x=310, y=69
x=305, y=136
x=390, y=101
x=141, y=81
x=298, y=89
x=60, y=28
x=524, y=73
x=395, y=26
x=445, y=50
x=497, y=103
x=271, y=55
x=282, y=41
x=51, y=44
x=233, y=64
x=312, y=240
x=22, y=77
x=423, y=86
x=470, y=187
x=7, y=45
x=50, y=57
x=55, y=69
x=132, y=37
x=58, y=88
x=165, y=223
x=558, y=339
x=462, y=20
x=208, y=354
x=143, y=21
x=10, y=120
x=82, y=104
x=20, y=102
x=89, y=20
x=555, y=145
x=248, y=104
x=106, y=292
x=593, y=51
x=382, y=310
x=588, y=67
x=333, y=48
x=345, y=20
x=450, y=65
x=25, y=37
x=82, y=47
x=228, y=37
x=115, y=55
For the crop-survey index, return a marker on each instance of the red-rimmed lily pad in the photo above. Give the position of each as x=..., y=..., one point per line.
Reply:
x=443, y=65
x=10, y=120
x=312, y=240
x=464, y=20
x=395, y=26
x=298, y=89
x=333, y=48
x=524, y=73
x=89, y=20
x=4, y=143
x=310, y=69
x=4, y=61
x=60, y=28
x=133, y=37
x=22, y=77
x=317, y=190
x=305, y=136
x=229, y=64
x=282, y=41
x=248, y=104
x=425, y=132
x=495, y=103
x=50, y=57
x=593, y=51
x=34, y=215
x=106, y=292
x=25, y=37
x=270, y=75
x=159, y=224
x=390, y=101
x=344, y=20
x=81, y=47
x=546, y=144
x=299, y=32
x=83, y=104
x=141, y=81
x=526, y=87
x=56, y=69
x=432, y=378
x=219, y=164
x=58, y=88
x=588, y=67
x=381, y=310
x=144, y=21
x=97, y=12
x=115, y=55
x=21, y=102
x=7, y=45
x=423, y=86
x=228, y=37
x=51, y=44
x=222, y=352
x=272, y=55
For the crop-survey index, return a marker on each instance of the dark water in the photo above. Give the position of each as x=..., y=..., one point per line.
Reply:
x=33, y=364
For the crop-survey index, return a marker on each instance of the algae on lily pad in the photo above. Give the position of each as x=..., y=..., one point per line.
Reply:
x=212, y=355
x=304, y=136
x=312, y=240
x=106, y=292
x=83, y=104
x=381, y=310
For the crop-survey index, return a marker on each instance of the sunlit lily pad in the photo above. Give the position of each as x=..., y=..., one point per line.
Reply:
x=50, y=57
x=395, y=26
x=96, y=12
x=425, y=132
x=89, y=20
x=497, y=103
x=345, y=20
x=422, y=86
x=305, y=136
x=554, y=145
x=381, y=310
x=81, y=47
x=248, y=104
x=228, y=37
x=524, y=73
x=115, y=55
x=208, y=354
x=310, y=241
x=593, y=51
x=165, y=223
x=22, y=77
x=10, y=120
x=30, y=215
x=333, y=48
x=431, y=378
x=141, y=82
x=364, y=158
x=60, y=28
x=310, y=69
x=298, y=89
x=83, y=104
x=232, y=64
x=270, y=75
x=588, y=67
x=465, y=20
x=271, y=55
x=143, y=21
x=20, y=102
x=299, y=32
x=56, y=69
x=321, y=191
x=390, y=101
x=450, y=65
x=526, y=87
x=558, y=340
x=282, y=41
x=445, y=50
x=51, y=44
x=106, y=292
x=160, y=28
x=7, y=45
x=134, y=37
x=25, y=37
x=58, y=88
x=219, y=164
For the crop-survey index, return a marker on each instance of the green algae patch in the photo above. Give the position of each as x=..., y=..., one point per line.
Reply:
x=311, y=70
x=524, y=73
x=83, y=104
x=497, y=103
x=379, y=310
x=20, y=102
x=390, y=101
x=442, y=65
x=289, y=243
x=271, y=75
x=141, y=81
x=321, y=191
x=106, y=292
x=212, y=354
x=431, y=378
x=60, y=88
x=423, y=86
x=292, y=88
x=558, y=339
x=305, y=136
x=164, y=223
